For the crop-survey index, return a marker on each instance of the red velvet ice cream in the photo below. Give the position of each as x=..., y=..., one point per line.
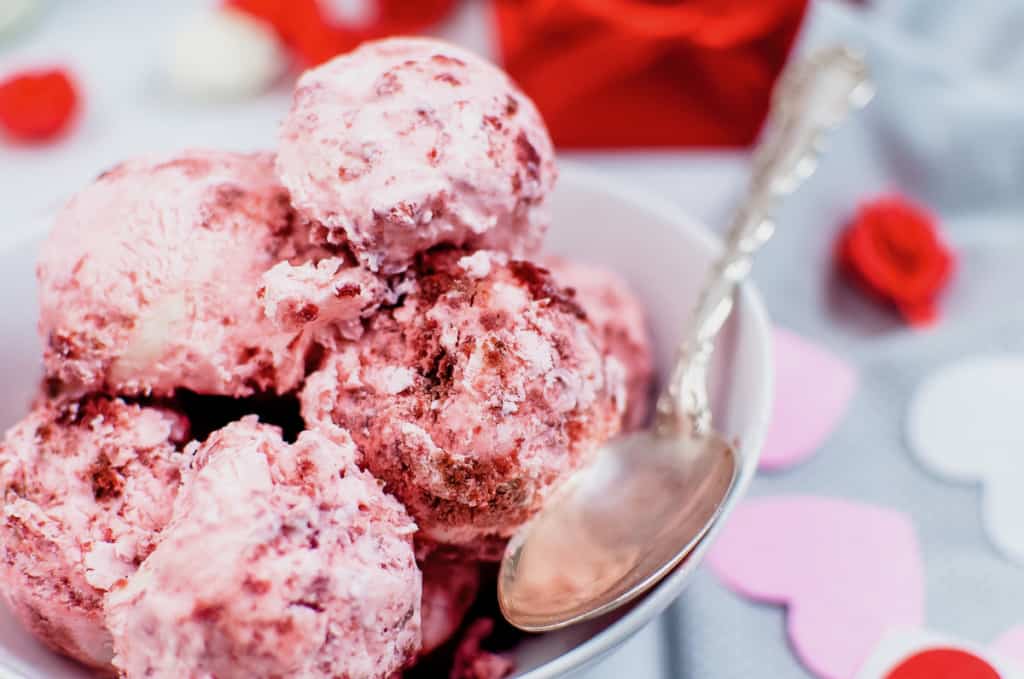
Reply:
x=408, y=143
x=376, y=266
x=280, y=561
x=473, y=398
x=149, y=280
x=87, y=487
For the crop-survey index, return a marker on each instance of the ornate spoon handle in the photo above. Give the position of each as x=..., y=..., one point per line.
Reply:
x=811, y=98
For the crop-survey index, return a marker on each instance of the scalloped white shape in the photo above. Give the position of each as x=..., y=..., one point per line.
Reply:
x=966, y=424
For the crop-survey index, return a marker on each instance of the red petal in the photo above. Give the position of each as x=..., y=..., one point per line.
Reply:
x=919, y=315
x=894, y=251
x=943, y=663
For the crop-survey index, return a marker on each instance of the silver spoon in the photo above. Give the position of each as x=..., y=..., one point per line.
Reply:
x=621, y=524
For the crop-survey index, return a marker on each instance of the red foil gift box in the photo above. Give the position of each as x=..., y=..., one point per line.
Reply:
x=641, y=73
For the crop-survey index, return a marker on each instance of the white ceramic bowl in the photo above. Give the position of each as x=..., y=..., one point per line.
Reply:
x=662, y=252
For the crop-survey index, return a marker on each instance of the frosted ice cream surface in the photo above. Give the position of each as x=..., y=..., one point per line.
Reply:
x=280, y=561
x=87, y=487
x=473, y=398
x=405, y=144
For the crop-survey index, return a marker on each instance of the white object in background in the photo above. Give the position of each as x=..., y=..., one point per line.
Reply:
x=16, y=13
x=900, y=647
x=225, y=54
x=964, y=424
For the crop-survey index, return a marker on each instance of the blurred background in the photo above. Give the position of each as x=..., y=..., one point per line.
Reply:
x=608, y=75
x=667, y=96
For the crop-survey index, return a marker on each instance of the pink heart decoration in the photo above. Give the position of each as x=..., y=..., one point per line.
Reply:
x=847, y=572
x=813, y=388
x=1011, y=644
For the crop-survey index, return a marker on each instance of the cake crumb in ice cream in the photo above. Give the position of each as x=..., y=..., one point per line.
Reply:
x=329, y=298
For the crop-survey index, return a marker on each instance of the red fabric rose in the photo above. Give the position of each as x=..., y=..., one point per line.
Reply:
x=934, y=663
x=612, y=73
x=894, y=250
x=37, y=105
x=313, y=37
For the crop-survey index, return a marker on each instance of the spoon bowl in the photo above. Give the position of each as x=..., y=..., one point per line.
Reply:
x=590, y=548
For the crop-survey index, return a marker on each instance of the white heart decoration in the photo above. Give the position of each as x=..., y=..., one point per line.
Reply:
x=965, y=425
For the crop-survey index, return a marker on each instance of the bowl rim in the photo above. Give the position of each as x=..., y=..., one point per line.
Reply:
x=652, y=603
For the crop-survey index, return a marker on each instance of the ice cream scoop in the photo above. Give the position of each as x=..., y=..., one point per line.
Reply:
x=473, y=398
x=149, y=280
x=87, y=486
x=280, y=560
x=408, y=143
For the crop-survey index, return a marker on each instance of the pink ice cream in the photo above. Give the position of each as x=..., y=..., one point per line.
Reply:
x=328, y=299
x=280, y=561
x=404, y=144
x=149, y=280
x=621, y=323
x=472, y=399
x=449, y=589
x=87, y=487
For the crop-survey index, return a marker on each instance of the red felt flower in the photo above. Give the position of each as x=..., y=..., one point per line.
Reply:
x=935, y=663
x=894, y=250
x=37, y=105
x=313, y=37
